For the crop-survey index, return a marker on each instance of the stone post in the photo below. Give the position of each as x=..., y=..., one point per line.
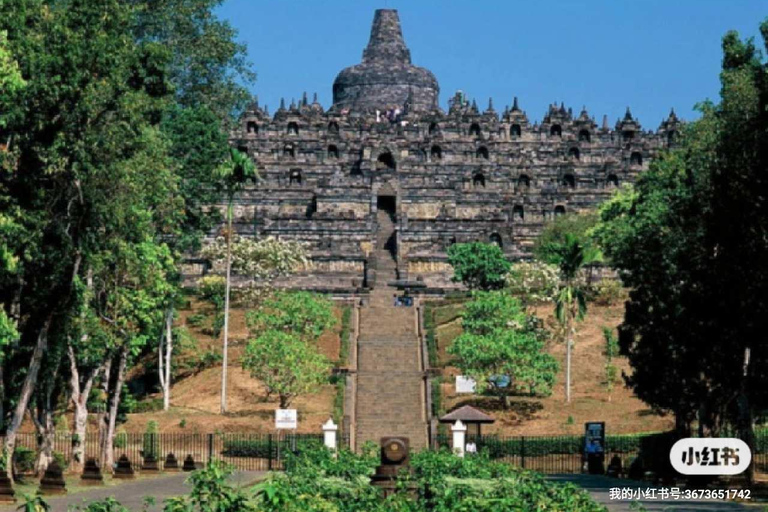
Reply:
x=329, y=434
x=459, y=437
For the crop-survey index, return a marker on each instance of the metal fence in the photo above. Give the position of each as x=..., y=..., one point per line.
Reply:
x=564, y=454
x=247, y=452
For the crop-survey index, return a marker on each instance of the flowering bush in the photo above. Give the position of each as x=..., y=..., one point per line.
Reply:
x=533, y=281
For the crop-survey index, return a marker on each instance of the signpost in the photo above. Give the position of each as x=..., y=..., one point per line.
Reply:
x=465, y=385
x=286, y=419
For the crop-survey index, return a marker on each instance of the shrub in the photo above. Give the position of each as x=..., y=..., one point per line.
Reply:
x=479, y=266
x=533, y=281
x=151, y=441
x=23, y=460
x=196, y=320
x=608, y=292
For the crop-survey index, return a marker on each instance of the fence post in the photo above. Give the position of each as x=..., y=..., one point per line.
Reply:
x=269, y=451
x=459, y=437
x=210, y=448
x=522, y=451
x=329, y=435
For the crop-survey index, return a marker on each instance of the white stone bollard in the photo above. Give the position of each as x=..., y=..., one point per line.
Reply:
x=329, y=434
x=459, y=437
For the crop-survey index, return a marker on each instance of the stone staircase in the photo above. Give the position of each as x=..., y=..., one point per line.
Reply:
x=390, y=384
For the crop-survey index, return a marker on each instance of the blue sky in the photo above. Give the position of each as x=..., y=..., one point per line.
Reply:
x=605, y=54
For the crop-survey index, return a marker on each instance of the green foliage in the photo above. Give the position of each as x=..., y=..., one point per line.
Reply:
x=607, y=292
x=344, y=334
x=431, y=336
x=151, y=441
x=578, y=226
x=479, y=266
x=212, y=493
x=340, y=383
x=437, y=397
x=305, y=315
x=24, y=460
x=533, y=281
x=500, y=339
x=33, y=503
x=196, y=320
x=106, y=505
x=689, y=242
x=286, y=364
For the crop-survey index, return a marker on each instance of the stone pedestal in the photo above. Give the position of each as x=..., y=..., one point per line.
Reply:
x=189, y=464
x=52, y=482
x=395, y=457
x=7, y=495
x=150, y=465
x=171, y=463
x=92, y=473
x=124, y=470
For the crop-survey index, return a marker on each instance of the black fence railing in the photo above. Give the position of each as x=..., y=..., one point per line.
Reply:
x=247, y=452
x=564, y=454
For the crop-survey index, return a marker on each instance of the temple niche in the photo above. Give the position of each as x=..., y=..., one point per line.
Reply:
x=443, y=177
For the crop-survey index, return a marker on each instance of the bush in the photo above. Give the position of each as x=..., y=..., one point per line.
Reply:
x=196, y=320
x=61, y=460
x=23, y=460
x=150, y=405
x=151, y=441
x=533, y=281
x=479, y=266
x=608, y=292
x=265, y=447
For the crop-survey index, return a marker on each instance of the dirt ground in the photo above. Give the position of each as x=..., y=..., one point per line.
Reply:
x=621, y=410
x=195, y=399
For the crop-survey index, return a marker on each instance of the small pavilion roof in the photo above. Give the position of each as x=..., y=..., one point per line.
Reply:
x=467, y=414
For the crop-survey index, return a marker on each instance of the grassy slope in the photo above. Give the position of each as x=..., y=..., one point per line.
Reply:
x=623, y=413
x=195, y=399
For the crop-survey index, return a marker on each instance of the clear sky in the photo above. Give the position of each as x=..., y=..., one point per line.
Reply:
x=605, y=54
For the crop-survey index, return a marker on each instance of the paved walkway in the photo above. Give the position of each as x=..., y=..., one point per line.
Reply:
x=599, y=487
x=131, y=494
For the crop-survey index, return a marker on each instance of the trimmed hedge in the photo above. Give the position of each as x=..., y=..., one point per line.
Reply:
x=265, y=448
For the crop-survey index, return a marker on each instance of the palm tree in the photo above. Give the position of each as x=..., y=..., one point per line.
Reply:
x=232, y=176
x=571, y=300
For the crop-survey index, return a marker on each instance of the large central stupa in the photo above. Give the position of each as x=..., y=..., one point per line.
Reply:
x=386, y=78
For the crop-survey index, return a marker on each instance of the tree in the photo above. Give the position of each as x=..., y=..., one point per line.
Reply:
x=579, y=225
x=479, y=266
x=610, y=351
x=690, y=242
x=570, y=300
x=286, y=364
x=500, y=340
x=232, y=176
x=303, y=314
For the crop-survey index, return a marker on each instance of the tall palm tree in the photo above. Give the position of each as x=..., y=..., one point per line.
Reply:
x=232, y=176
x=571, y=300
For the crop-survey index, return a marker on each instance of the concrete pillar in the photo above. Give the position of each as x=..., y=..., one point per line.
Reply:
x=459, y=437
x=329, y=434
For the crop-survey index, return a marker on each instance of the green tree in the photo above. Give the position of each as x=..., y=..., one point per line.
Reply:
x=690, y=242
x=577, y=225
x=501, y=340
x=610, y=351
x=570, y=299
x=287, y=365
x=304, y=314
x=478, y=265
x=232, y=177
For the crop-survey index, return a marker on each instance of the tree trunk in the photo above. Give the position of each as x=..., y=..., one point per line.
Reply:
x=80, y=405
x=745, y=418
x=103, y=419
x=226, y=312
x=45, y=436
x=30, y=381
x=164, y=360
x=108, y=456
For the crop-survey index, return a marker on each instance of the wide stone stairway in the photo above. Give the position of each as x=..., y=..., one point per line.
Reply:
x=390, y=384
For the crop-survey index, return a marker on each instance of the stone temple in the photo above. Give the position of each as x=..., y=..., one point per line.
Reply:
x=383, y=182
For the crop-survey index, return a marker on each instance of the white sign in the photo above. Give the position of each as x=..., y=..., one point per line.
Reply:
x=286, y=419
x=710, y=456
x=465, y=385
